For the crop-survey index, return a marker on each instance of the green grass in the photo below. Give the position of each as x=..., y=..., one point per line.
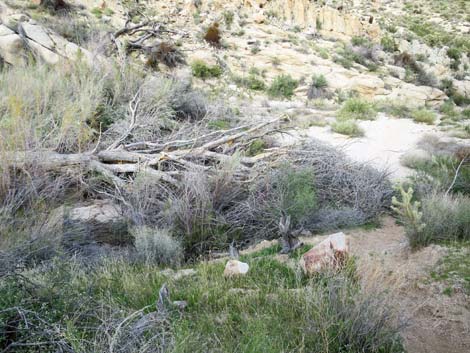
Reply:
x=219, y=124
x=357, y=108
x=274, y=308
x=454, y=268
x=283, y=86
x=347, y=127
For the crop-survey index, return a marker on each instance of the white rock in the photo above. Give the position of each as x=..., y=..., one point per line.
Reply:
x=235, y=268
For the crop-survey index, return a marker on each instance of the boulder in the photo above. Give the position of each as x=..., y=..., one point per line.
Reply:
x=12, y=47
x=331, y=253
x=97, y=224
x=417, y=96
x=235, y=268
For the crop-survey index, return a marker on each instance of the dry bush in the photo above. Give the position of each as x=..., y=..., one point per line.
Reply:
x=155, y=245
x=346, y=194
x=45, y=107
x=165, y=53
x=213, y=35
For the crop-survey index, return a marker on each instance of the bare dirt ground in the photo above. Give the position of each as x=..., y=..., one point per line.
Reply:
x=435, y=322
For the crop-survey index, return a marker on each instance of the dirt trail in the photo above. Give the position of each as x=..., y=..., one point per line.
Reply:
x=436, y=322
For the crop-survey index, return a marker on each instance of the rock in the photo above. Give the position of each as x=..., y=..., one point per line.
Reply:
x=11, y=46
x=100, y=223
x=184, y=273
x=462, y=87
x=180, y=304
x=417, y=96
x=331, y=253
x=235, y=268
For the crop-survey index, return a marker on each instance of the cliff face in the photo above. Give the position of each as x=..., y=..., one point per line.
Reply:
x=305, y=14
x=326, y=19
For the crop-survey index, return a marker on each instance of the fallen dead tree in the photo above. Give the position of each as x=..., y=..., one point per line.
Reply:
x=164, y=161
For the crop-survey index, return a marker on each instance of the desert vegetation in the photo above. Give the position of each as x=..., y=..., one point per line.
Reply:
x=145, y=146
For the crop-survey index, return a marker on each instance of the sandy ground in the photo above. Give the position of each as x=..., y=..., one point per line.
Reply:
x=386, y=140
x=436, y=323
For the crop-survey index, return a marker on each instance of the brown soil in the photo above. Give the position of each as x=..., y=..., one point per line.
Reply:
x=435, y=322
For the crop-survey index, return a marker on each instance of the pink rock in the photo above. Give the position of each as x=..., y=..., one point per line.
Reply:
x=330, y=253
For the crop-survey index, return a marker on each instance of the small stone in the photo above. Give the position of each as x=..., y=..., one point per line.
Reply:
x=235, y=268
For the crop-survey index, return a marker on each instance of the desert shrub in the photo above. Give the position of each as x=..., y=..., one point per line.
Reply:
x=251, y=81
x=356, y=108
x=157, y=246
x=318, y=87
x=213, y=35
x=55, y=5
x=388, y=44
x=202, y=70
x=364, y=194
x=294, y=193
x=423, y=116
x=195, y=212
x=448, y=109
x=394, y=109
x=454, y=53
x=359, y=41
x=228, y=18
x=439, y=172
x=415, y=71
x=425, y=78
x=45, y=107
x=165, y=53
x=466, y=113
x=282, y=86
x=442, y=217
x=347, y=127
x=365, y=55
x=256, y=147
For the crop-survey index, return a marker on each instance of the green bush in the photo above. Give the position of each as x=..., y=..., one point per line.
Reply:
x=466, y=113
x=356, y=108
x=424, y=116
x=360, y=41
x=283, y=86
x=454, y=53
x=347, y=127
x=388, y=44
x=395, y=109
x=256, y=147
x=319, y=81
x=295, y=191
x=252, y=82
x=448, y=109
x=202, y=70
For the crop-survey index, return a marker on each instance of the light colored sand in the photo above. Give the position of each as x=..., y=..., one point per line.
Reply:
x=386, y=140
